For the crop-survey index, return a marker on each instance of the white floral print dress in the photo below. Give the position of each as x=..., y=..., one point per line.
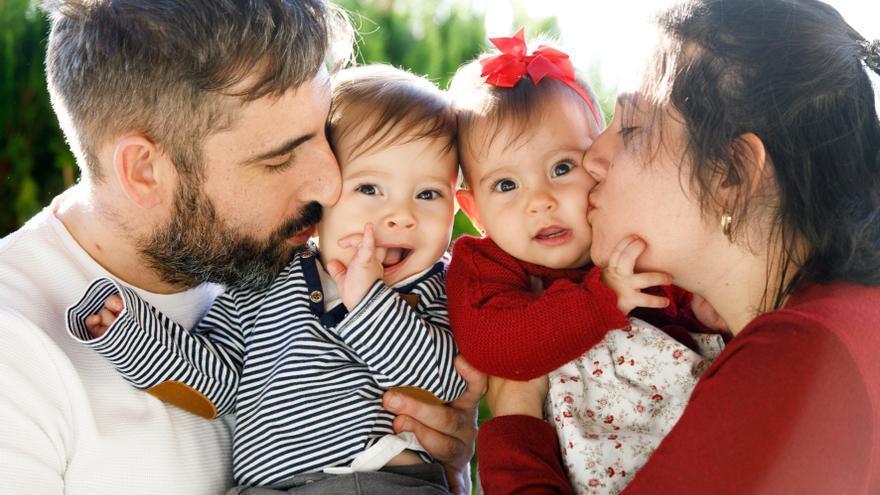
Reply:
x=612, y=406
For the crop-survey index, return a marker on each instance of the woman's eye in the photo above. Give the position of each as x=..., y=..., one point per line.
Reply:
x=428, y=195
x=368, y=189
x=504, y=185
x=561, y=168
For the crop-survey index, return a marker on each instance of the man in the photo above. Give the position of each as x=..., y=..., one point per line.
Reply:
x=198, y=127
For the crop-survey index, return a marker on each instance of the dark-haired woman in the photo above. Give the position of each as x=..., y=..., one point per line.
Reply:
x=748, y=161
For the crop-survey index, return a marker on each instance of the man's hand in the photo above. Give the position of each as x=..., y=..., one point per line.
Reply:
x=355, y=280
x=446, y=431
x=620, y=277
x=98, y=324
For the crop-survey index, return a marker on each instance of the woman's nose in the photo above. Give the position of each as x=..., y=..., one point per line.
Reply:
x=595, y=161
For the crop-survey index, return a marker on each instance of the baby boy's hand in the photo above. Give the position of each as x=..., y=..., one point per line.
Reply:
x=365, y=268
x=98, y=324
x=706, y=314
x=619, y=276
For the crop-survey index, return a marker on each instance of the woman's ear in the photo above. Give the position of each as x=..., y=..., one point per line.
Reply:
x=750, y=157
x=140, y=169
x=468, y=204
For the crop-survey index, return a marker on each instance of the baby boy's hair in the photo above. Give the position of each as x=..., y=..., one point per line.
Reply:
x=383, y=104
x=478, y=103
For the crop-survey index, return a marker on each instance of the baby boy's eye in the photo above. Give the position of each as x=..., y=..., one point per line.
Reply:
x=428, y=195
x=561, y=168
x=368, y=189
x=504, y=185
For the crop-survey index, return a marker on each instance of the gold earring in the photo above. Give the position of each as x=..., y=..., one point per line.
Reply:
x=727, y=225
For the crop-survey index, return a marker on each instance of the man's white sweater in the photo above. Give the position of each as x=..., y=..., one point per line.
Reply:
x=68, y=422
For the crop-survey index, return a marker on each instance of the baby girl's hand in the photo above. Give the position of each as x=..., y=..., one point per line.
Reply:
x=619, y=276
x=98, y=324
x=365, y=268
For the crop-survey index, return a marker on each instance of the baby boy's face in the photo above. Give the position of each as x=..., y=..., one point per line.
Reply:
x=406, y=191
x=531, y=196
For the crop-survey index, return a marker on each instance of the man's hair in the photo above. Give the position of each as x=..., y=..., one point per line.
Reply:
x=489, y=107
x=168, y=68
x=382, y=104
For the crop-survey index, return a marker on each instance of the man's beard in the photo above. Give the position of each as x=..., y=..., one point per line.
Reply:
x=196, y=246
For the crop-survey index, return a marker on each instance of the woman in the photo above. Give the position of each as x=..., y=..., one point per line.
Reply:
x=748, y=162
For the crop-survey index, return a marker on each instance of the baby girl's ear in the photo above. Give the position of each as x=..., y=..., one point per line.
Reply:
x=465, y=198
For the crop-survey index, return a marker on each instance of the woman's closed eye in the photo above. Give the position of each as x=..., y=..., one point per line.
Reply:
x=503, y=185
x=368, y=189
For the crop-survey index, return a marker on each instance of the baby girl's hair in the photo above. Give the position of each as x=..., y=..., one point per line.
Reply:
x=478, y=103
x=383, y=104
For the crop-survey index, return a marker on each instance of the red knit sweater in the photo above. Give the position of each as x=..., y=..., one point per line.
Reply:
x=504, y=329
x=792, y=405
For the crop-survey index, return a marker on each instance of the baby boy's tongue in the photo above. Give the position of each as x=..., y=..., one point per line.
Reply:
x=392, y=256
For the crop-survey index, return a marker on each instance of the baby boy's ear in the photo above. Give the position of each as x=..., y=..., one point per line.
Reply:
x=466, y=201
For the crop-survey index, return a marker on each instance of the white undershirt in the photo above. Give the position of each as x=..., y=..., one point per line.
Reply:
x=68, y=422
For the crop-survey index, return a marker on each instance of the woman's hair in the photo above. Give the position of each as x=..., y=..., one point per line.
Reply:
x=792, y=73
x=382, y=104
x=490, y=107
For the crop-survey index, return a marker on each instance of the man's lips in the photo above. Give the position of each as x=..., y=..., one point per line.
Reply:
x=553, y=235
x=301, y=237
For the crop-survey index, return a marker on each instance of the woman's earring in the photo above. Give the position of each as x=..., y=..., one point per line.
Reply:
x=727, y=225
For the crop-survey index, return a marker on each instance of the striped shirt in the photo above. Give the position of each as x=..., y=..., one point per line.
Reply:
x=305, y=384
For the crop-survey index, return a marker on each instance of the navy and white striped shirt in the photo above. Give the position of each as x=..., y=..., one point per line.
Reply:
x=306, y=389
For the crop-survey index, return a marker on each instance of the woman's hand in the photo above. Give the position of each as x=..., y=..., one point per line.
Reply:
x=446, y=431
x=510, y=397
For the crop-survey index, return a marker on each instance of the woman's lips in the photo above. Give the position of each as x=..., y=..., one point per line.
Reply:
x=553, y=236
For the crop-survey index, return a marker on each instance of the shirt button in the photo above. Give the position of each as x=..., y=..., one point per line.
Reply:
x=316, y=296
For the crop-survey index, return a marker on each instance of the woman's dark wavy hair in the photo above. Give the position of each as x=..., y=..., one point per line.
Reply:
x=791, y=72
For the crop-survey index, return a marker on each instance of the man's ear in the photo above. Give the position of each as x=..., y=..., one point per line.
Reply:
x=468, y=204
x=141, y=169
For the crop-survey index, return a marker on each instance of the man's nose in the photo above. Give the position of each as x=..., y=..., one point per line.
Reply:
x=323, y=181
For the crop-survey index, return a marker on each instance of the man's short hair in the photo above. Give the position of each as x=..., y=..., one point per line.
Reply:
x=167, y=69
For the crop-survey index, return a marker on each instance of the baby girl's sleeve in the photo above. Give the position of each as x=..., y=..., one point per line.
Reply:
x=505, y=329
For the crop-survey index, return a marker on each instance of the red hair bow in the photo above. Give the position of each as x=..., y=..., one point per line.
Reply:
x=514, y=62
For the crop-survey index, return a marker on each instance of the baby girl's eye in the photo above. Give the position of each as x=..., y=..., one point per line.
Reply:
x=561, y=168
x=504, y=185
x=368, y=189
x=428, y=195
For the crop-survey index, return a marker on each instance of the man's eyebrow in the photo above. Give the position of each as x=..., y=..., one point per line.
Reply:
x=281, y=150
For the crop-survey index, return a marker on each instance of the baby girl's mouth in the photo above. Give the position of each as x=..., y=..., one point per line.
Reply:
x=394, y=258
x=553, y=235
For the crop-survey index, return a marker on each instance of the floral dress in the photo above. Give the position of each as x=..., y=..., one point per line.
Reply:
x=612, y=406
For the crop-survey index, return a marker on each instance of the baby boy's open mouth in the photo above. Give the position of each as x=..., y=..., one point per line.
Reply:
x=394, y=257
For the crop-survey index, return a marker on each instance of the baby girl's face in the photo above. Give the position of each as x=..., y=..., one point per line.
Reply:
x=531, y=196
x=406, y=191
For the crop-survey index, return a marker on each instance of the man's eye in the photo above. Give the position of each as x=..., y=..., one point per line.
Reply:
x=561, y=168
x=429, y=194
x=504, y=185
x=368, y=189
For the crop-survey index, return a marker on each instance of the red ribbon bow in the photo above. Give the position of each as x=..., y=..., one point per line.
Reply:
x=514, y=62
